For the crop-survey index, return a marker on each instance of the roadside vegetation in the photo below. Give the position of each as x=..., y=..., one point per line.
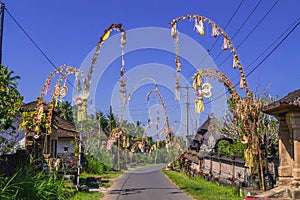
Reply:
x=199, y=188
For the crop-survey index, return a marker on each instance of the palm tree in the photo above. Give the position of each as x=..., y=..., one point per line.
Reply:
x=10, y=98
x=65, y=111
x=10, y=103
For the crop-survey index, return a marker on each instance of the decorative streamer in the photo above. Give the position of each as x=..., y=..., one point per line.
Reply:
x=48, y=86
x=235, y=61
x=177, y=88
x=199, y=25
x=174, y=31
x=242, y=83
x=225, y=44
x=199, y=107
x=214, y=31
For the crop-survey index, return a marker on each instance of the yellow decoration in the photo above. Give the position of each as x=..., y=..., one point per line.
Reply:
x=206, y=90
x=199, y=107
x=107, y=34
x=197, y=80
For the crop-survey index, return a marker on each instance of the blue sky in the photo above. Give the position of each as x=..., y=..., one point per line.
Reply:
x=67, y=31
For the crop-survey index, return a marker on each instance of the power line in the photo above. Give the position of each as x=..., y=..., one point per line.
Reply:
x=256, y=67
x=34, y=43
x=213, y=45
x=255, y=27
x=232, y=16
x=239, y=29
x=266, y=57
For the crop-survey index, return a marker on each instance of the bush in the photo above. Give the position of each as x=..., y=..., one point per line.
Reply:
x=29, y=184
x=237, y=148
x=94, y=166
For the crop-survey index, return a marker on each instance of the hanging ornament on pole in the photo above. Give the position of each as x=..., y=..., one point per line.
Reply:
x=177, y=87
x=199, y=25
x=225, y=44
x=106, y=35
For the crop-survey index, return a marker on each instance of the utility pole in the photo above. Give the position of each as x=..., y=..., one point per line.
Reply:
x=187, y=116
x=110, y=118
x=1, y=30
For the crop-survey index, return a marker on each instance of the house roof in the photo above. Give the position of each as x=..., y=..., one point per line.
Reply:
x=61, y=126
x=204, y=127
x=31, y=106
x=64, y=128
x=289, y=102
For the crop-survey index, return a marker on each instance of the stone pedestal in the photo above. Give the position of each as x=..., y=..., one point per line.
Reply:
x=294, y=123
x=285, y=168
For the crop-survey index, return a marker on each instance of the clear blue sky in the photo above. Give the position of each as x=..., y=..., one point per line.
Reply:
x=67, y=31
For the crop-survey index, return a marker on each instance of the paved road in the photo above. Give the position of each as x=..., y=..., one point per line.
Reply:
x=143, y=184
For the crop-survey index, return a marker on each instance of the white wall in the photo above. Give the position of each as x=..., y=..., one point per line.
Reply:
x=65, y=142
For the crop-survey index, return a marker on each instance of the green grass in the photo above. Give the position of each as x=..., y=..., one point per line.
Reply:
x=87, y=196
x=202, y=189
x=107, y=175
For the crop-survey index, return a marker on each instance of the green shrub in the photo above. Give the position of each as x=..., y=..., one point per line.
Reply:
x=29, y=184
x=237, y=148
x=94, y=166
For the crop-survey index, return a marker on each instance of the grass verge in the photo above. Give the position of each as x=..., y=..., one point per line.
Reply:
x=87, y=196
x=200, y=188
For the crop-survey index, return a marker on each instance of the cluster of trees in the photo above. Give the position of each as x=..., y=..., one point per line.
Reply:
x=10, y=103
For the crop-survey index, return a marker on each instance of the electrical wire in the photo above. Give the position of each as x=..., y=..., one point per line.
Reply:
x=34, y=43
x=266, y=57
x=209, y=50
x=255, y=27
x=227, y=24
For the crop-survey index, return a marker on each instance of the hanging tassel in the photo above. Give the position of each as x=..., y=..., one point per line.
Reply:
x=178, y=64
x=199, y=80
x=174, y=31
x=242, y=83
x=199, y=107
x=235, y=61
x=225, y=44
x=85, y=85
x=48, y=87
x=122, y=71
x=214, y=31
x=123, y=39
x=177, y=88
x=199, y=26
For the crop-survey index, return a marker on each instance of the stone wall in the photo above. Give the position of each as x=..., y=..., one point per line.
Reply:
x=10, y=163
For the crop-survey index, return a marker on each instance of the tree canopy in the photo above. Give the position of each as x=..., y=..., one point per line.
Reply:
x=10, y=103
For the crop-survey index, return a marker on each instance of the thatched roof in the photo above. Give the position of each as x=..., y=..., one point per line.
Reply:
x=204, y=127
x=59, y=125
x=31, y=106
x=287, y=103
x=64, y=128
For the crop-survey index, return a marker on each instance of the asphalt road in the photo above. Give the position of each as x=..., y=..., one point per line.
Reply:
x=143, y=184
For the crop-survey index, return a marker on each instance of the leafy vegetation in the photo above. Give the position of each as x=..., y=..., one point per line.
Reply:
x=237, y=148
x=65, y=111
x=96, y=167
x=202, y=189
x=86, y=196
x=29, y=184
x=10, y=103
